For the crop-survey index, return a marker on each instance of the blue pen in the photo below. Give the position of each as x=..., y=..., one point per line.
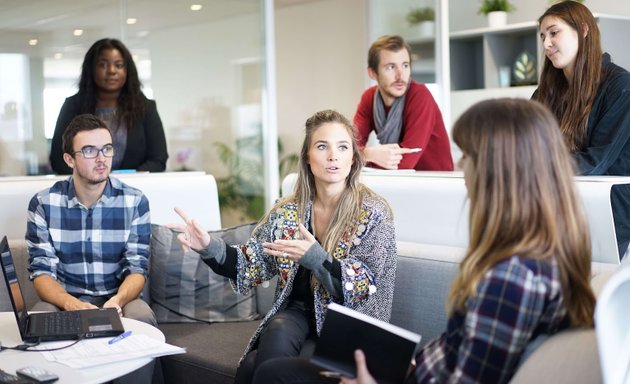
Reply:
x=119, y=337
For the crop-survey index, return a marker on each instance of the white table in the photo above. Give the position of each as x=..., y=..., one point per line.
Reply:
x=11, y=360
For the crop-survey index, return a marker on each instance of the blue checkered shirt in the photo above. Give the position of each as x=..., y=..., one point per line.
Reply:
x=89, y=251
x=517, y=300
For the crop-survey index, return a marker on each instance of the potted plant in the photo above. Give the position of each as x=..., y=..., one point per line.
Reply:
x=497, y=11
x=424, y=19
x=241, y=191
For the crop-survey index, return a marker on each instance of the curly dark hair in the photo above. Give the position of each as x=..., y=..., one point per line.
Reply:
x=131, y=101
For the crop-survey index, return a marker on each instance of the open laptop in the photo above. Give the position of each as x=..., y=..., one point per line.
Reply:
x=63, y=325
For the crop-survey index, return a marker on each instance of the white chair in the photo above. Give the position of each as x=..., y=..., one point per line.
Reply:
x=612, y=326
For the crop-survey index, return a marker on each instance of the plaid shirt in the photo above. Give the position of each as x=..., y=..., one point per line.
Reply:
x=517, y=300
x=89, y=251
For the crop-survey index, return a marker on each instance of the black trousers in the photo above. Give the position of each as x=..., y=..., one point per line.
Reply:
x=285, y=335
x=290, y=370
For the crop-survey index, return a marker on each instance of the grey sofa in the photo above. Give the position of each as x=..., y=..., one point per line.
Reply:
x=213, y=350
x=423, y=277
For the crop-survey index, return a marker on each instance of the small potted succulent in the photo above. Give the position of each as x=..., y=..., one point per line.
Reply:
x=424, y=19
x=496, y=11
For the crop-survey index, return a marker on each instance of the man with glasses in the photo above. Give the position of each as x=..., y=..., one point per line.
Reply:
x=88, y=236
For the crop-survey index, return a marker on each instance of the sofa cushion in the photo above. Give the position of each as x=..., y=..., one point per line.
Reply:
x=423, y=278
x=184, y=289
x=570, y=356
x=212, y=351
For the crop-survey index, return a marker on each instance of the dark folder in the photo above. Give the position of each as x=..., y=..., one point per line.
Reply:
x=389, y=349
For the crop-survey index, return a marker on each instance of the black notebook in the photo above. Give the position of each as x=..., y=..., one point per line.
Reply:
x=47, y=326
x=388, y=349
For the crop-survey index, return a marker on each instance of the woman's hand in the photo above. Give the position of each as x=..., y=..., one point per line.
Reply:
x=363, y=375
x=192, y=235
x=291, y=249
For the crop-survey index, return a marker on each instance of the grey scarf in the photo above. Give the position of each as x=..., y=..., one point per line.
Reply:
x=389, y=125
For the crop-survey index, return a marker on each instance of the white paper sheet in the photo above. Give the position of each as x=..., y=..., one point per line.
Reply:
x=92, y=352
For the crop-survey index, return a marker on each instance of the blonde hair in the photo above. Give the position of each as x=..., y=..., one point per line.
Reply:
x=350, y=202
x=522, y=200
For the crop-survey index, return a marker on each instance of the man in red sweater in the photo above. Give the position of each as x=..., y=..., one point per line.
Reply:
x=402, y=112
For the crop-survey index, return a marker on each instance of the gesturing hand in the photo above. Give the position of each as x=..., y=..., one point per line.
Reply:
x=291, y=249
x=192, y=235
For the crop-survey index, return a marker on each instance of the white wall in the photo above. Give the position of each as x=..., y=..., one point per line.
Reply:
x=321, y=62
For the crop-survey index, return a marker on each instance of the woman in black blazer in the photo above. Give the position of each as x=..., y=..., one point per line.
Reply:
x=109, y=88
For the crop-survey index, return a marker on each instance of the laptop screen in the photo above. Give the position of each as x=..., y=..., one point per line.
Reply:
x=13, y=286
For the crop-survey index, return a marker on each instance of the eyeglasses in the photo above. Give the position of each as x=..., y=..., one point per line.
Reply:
x=92, y=152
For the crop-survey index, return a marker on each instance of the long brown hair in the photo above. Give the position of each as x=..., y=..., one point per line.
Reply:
x=522, y=200
x=571, y=102
x=349, y=206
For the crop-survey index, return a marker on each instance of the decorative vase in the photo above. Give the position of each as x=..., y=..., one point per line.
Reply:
x=426, y=29
x=497, y=19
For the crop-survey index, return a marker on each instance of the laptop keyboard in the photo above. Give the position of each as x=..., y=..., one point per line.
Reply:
x=62, y=323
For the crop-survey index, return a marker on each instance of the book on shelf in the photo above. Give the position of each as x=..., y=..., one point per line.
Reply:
x=388, y=349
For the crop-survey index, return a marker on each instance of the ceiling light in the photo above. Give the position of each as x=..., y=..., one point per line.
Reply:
x=32, y=42
x=196, y=7
x=132, y=20
x=77, y=32
x=58, y=55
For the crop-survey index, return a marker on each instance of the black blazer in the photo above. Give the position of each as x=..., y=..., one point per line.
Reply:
x=146, y=143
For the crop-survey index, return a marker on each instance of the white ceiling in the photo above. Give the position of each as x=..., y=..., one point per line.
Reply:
x=52, y=22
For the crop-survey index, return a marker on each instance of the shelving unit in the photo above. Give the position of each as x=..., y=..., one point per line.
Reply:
x=477, y=55
x=423, y=59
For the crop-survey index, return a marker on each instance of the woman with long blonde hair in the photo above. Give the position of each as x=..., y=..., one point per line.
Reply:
x=332, y=240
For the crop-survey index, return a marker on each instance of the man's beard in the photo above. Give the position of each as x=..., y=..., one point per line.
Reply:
x=94, y=180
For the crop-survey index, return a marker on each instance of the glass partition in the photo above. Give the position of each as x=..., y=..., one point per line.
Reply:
x=203, y=64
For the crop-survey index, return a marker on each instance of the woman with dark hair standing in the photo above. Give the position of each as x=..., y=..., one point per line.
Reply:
x=590, y=97
x=109, y=87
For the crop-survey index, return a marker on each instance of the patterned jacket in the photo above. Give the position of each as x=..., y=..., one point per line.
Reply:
x=367, y=253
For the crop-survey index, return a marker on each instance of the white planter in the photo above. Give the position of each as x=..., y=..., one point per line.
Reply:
x=497, y=19
x=426, y=29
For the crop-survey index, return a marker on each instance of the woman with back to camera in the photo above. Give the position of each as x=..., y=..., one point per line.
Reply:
x=525, y=273
x=109, y=87
x=590, y=97
x=332, y=240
